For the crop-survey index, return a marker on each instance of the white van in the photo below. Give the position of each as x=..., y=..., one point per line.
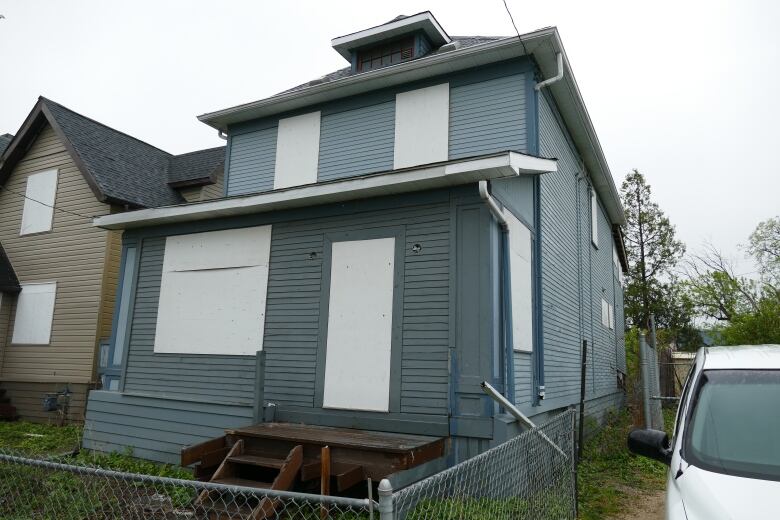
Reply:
x=724, y=457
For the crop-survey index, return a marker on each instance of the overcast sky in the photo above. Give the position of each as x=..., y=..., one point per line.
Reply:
x=685, y=91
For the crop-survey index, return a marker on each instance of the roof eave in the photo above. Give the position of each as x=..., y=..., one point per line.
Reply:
x=542, y=44
x=393, y=182
x=427, y=66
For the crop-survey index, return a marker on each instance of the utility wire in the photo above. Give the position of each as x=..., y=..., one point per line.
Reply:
x=22, y=195
x=520, y=38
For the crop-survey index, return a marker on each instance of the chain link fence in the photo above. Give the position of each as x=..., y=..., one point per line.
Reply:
x=33, y=488
x=530, y=476
x=651, y=385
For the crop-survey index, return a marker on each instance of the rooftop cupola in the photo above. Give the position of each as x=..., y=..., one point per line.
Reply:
x=404, y=38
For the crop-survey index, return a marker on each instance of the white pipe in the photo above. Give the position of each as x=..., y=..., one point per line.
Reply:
x=495, y=209
x=503, y=401
x=517, y=414
x=557, y=77
x=221, y=134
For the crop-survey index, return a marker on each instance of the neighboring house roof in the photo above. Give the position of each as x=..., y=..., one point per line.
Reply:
x=9, y=283
x=5, y=140
x=119, y=168
x=542, y=45
x=195, y=168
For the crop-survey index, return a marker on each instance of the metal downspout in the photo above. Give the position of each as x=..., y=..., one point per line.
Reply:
x=506, y=302
x=554, y=79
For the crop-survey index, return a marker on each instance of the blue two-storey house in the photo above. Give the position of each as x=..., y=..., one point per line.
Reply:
x=437, y=214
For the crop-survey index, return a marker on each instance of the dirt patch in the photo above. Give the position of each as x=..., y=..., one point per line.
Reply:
x=645, y=506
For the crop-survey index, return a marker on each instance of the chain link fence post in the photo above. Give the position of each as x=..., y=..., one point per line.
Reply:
x=385, y=500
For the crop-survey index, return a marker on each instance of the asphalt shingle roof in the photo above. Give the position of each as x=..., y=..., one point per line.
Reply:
x=462, y=42
x=119, y=167
x=8, y=280
x=196, y=166
x=5, y=140
x=123, y=167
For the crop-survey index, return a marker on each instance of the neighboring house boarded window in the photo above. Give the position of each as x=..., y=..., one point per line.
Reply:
x=422, y=126
x=213, y=292
x=34, y=314
x=297, y=150
x=522, y=284
x=39, y=202
x=594, y=218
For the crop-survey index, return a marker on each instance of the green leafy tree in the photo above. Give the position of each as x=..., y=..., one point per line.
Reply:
x=747, y=310
x=764, y=247
x=653, y=251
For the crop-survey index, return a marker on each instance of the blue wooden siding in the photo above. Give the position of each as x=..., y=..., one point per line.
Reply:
x=294, y=291
x=215, y=379
x=572, y=301
x=488, y=113
x=357, y=142
x=154, y=428
x=252, y=161
x=488, y=117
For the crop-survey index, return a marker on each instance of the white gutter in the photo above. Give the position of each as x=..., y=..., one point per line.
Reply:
x=495, y=209
x=424, y=177
x=544, y=45
x=554, y=79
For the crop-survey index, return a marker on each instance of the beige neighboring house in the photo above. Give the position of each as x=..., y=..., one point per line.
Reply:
x=58, y=273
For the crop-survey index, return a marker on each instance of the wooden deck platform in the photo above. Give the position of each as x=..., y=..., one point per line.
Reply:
x=337, y=437
x=353, y=455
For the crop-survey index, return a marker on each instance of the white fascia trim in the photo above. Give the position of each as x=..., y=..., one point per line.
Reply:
x=439, y=175
x=343, y=44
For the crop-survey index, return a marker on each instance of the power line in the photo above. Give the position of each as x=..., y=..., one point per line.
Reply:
x=22, y=195
x=520, y=38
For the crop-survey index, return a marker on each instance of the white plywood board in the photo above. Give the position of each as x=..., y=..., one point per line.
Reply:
x=594, y=218
x=297, y=150
x=213, y=293
x=217, y=311
x=422, y=119
x=360, y=319
x=38, y=209
x=521, y=274
x=218, y=249
x=34, y=314
x=604, y=313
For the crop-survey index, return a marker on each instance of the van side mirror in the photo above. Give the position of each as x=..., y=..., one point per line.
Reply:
x=653, y=444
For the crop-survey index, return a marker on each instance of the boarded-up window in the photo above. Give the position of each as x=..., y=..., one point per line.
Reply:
x=422, y=119
x=604, y=313
x=297, y=150
x=39, y=202
x=34, y=314
x=594, y=218
x=521, y=276
x=213, y=292
x=611, y=317
x=360, y=318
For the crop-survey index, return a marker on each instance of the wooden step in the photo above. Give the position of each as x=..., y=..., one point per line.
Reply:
x=256, y=460
x=234, y=481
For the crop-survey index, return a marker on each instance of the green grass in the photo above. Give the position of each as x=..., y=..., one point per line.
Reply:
x=38, y=439
x=609, y=476
x=28, y=491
